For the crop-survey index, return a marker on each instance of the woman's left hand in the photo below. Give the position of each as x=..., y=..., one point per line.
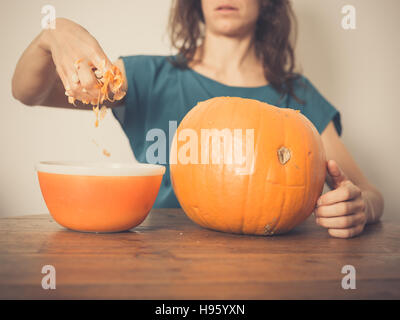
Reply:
x=341, y=210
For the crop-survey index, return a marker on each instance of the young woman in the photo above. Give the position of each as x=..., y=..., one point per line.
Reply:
x=226, y=48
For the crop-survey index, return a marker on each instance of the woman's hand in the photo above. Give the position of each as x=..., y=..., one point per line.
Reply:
x=78, y=58
x=342, y=210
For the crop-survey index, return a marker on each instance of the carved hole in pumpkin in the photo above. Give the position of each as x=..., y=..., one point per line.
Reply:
x=284, y=155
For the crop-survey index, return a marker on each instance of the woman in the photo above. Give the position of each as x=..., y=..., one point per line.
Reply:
x=226, y=48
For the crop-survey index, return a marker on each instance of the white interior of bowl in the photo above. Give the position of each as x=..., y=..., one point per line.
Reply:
x=100, y=169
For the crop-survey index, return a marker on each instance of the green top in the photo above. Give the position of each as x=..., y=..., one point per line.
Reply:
x=158, y=93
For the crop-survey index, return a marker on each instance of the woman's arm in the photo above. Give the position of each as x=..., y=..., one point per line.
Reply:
x=34, y=74
x=353, y=200
x=47, y=71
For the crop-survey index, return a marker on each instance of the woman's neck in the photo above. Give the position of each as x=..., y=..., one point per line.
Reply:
x=229, y=60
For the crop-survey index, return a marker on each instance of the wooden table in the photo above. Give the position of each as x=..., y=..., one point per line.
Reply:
x=169, y=257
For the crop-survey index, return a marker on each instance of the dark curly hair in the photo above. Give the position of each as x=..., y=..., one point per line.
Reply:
x=274, y=37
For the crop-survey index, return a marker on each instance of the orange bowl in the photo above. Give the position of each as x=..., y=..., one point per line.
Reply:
x=99, y=197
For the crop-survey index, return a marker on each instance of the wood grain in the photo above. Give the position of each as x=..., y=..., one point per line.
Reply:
x=169, y=257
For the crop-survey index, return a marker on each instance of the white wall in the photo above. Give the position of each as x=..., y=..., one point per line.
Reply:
x=356, y=70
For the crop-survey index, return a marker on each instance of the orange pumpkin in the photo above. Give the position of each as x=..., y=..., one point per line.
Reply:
x=285, y=173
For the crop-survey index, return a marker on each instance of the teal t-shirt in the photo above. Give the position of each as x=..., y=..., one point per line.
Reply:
x=159, y=93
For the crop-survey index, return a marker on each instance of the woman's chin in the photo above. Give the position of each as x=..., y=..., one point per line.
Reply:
x=232, y=31
x=230, y=27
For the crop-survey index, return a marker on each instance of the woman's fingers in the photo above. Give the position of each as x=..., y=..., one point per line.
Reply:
x=337, y=175
x=64, y=80
x=345, y=192
x=87, y=79
x=100, y=61
x=340, y=208
x=76, y=91
x=344, y=222
x=346, y=233
x=80, y=76
x=66, y=83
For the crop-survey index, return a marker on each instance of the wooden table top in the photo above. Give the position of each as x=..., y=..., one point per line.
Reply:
x=169, y=257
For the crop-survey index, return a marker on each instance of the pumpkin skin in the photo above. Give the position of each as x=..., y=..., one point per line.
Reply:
x=287, y=177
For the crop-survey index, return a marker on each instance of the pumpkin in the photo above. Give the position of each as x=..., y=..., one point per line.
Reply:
x=276, y=189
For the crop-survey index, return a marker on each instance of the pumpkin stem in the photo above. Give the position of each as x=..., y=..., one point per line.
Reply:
x=284, y=155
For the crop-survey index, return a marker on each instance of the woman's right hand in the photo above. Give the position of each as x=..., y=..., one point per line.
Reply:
x=78, y=58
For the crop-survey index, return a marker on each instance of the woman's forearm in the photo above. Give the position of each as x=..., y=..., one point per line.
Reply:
x=373, y=204
x=35, y=73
